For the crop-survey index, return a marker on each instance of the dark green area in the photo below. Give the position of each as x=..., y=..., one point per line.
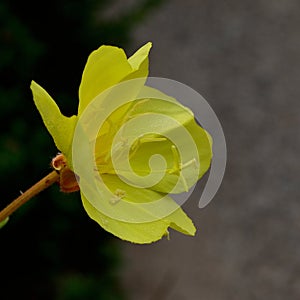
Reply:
x=50, y=249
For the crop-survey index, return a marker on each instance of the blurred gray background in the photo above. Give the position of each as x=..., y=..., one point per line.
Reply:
x=243, y=58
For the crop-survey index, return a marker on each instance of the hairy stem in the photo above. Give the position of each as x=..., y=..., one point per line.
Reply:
x=30, y=193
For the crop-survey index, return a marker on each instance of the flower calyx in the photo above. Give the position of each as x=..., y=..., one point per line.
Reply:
x=67, y=178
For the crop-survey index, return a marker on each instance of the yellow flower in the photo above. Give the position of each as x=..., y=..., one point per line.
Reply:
x=123, y=159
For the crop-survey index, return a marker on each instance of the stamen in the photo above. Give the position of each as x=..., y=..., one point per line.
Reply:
x=134, y=105
x=178, y=166
x=186, y=188
x=167, y=234
x=142, y=140
x=152, y=139
x=117, y=197
x=192, y=162
x=115, y=149
x=176, y=161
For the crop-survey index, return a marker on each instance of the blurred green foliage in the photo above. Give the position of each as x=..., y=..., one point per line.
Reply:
x=50, y=249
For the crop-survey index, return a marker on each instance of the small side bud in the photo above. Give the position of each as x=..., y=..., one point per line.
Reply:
x=59, y=162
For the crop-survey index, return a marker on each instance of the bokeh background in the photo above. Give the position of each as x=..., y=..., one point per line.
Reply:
x=244, y=58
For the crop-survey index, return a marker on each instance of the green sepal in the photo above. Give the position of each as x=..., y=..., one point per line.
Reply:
x=59, y=126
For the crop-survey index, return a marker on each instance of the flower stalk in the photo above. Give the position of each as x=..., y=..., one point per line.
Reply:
x=30, y=193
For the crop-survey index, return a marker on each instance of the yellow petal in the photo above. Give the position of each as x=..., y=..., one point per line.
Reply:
x=105, y=67
x=139, y=62
x=108, y=66
x=141, y=233
x=60, y=127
